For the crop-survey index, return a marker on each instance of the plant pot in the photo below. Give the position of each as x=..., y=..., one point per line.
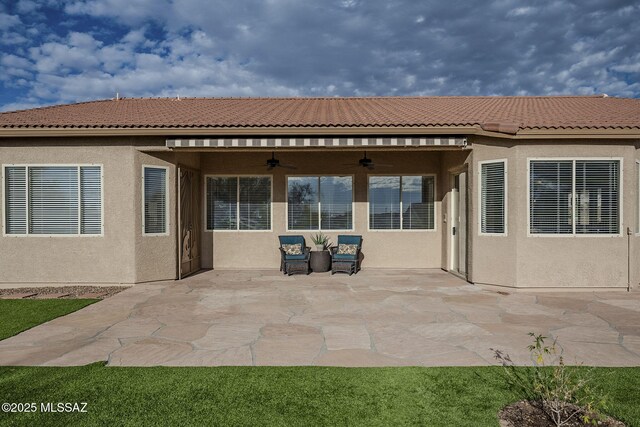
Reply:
x=319, y=247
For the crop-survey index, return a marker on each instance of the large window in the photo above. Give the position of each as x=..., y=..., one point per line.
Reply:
x=492, y=197
x=574, y=196
x=320, y=202
x=401, y=202
x=238, y=203
x=53, y=200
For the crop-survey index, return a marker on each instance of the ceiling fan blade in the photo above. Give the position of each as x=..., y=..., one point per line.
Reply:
x=381, y=165
x=286, y=166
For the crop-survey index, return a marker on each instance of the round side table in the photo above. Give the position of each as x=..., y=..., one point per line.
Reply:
x=320, y=261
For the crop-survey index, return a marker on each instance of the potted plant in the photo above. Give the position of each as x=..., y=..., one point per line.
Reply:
x=321, y=241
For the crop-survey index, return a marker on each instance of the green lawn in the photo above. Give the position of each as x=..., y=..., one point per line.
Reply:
x=296, y=396
x=292, y=396
x=19, y=315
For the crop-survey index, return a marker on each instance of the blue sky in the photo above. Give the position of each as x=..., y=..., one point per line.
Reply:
x=61, y=51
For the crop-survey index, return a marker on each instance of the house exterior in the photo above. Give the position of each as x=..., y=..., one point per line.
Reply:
x=517, y=192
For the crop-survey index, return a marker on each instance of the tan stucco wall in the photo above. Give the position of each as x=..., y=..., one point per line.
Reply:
x=124, y=255
x=523, y=261
x=156, y=256
x=381, y=249
x=90, y=259
x=635, y=238
x=494, y=256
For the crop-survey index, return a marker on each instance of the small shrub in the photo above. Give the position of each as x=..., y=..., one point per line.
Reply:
x=563, y=392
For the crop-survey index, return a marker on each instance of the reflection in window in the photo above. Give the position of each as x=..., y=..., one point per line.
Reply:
x=324, y=202
x=413, y=196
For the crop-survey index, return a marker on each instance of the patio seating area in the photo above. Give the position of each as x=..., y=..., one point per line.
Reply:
x=296, y=256
x=375, y=318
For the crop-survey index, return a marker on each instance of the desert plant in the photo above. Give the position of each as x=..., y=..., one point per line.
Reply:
x=563, y=392
x=321, y=239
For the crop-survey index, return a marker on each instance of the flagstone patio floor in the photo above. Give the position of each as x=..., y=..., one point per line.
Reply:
x=374, y=318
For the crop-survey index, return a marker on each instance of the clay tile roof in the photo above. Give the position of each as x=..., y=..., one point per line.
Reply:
x=494, y=113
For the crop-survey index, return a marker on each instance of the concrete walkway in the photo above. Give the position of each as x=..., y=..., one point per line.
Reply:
x=375, y=318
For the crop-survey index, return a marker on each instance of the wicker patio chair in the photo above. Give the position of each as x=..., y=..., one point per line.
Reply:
x=291, y=263
x=343, y=258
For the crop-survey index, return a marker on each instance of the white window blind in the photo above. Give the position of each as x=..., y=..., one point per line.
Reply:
x=255, y=203
x=401, y=202
x=15, y=199
x=53, y=200
x=238, y=203
x=155, y=200
x=574, y=197
x=597, y=197
x=320, y=202
x=492, y=197
x=91, y=200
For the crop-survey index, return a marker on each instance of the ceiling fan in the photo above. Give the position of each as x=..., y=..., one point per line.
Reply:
x=273, y=163
x=366, y=162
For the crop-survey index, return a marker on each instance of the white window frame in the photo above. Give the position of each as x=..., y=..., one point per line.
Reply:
x=27, y=166
x=573, y=190
x=237, y=229
x=316, y=230
x=167, y=203
x=402, y=230
x=506, y=198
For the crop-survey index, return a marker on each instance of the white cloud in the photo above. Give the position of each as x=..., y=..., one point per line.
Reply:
x=128, y=11
x=627, y=68
x=27, y=6
x=15, y=62
x=521, y=11
x=7, y=21
x=14, y=106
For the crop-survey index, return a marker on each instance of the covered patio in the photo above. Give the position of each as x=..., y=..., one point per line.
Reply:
x=402, y=195
x=379, y=317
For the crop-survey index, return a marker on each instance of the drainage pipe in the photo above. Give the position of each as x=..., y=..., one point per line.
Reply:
x=628, y=259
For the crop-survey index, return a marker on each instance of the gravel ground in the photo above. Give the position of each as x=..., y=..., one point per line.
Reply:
x=68, y=292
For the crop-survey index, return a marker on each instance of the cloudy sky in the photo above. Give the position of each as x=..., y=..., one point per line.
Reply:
x=60, y=51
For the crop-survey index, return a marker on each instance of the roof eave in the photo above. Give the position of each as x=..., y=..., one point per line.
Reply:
x=626, y=133
x=182, y=131
x=321, y=130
